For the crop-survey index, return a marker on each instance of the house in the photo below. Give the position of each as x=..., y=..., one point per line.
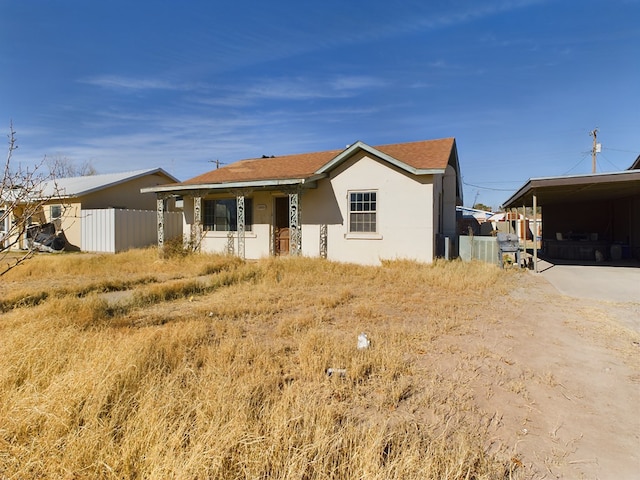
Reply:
x=361, y=204
x=587, y=217
x=69, y=207
x=472, y=221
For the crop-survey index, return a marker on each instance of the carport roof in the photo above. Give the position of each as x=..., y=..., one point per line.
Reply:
x=577, y=188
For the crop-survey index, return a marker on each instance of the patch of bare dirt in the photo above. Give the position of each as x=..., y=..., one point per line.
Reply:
x=558, y=381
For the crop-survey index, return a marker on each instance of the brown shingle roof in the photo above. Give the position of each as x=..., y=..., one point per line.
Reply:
x=428, y=154
x=425, y=155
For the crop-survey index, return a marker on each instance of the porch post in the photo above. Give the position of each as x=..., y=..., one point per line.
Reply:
x=160, y=217
x=323, y=240
x=196, y=227
x=525, y=230
x=241, y=224
x=535, y=235
x=295, y=227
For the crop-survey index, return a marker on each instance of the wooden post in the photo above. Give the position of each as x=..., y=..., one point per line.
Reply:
x=524, y=234
x=535, y=236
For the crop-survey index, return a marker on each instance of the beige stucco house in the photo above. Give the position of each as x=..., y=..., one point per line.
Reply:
x=362, y=204
x=64, y=202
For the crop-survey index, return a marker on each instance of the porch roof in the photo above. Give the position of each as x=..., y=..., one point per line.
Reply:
x=423, y=157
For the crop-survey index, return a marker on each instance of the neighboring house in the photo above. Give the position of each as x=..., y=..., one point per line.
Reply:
x=525, y=227
x=587, y=217
x=362, y=204
x=471, y=221
x=67, y=201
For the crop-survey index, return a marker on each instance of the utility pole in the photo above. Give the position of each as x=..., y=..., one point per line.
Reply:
x=217, y=162
x=594, y=149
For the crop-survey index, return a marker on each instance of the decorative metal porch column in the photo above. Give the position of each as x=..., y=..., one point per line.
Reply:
x=196, y=226
x=160, y=216
x=295, y=225
x=241, y=224
x=323, y=240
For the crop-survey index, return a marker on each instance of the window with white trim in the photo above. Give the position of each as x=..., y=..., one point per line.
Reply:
x=55, y=212
x=362, y=212
x=221, y=215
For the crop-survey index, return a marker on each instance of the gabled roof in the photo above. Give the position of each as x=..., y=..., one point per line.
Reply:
x=424, y=157
x=78, y=186
x=636, y=164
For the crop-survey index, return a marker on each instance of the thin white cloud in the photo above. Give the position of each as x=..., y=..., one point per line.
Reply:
x=120, y=82
x=294, y=89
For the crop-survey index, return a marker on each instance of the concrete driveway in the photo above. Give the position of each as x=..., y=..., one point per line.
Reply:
x=596, y=282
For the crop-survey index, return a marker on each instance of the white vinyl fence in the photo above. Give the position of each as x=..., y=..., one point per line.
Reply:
x=114, y=230
x=479, y=248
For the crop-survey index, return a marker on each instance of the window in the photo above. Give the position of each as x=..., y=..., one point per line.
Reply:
x=222, y=215
x=362, y=212
x=56, y=212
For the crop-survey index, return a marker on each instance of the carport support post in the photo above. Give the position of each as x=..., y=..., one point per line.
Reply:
x=535, y=236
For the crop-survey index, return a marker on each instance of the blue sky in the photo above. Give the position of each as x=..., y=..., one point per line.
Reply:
x=520, y=84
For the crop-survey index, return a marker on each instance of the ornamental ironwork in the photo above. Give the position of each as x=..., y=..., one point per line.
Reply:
x=160, y=217
x=196, y=228
x=323, y=240
x=295, y=228
x=241, y=227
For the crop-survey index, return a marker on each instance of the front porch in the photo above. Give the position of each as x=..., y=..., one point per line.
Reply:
x=249, y=222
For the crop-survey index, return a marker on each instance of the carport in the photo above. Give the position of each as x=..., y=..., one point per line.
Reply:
x=586, y=218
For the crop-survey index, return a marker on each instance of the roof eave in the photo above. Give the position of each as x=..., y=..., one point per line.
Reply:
x=359, y=145
x=273, y=183
x=523, y=191
x=592, y=178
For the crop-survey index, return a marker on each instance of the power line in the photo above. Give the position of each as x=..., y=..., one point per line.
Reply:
x=579, y=162
x=610, y=162
x=488, y=188
x=618, y=150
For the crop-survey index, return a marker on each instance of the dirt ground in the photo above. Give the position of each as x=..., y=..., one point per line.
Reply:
x=556, y=379
x=559, y=380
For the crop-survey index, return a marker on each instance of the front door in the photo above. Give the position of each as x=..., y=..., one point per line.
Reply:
x=281, y=229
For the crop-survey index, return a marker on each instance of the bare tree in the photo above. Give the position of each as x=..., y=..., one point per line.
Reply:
x=23, y=193
x=62, y=167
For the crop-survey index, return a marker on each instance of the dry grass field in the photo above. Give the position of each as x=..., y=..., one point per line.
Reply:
x=199, y=366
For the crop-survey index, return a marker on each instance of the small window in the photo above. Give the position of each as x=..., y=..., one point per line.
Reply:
x=222, y=215
x=362, y=212
x=56, y=212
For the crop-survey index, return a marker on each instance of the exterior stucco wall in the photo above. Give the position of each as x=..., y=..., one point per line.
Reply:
x=405, y=214
x=449, y=202
x=70, y=223
x=126, y=195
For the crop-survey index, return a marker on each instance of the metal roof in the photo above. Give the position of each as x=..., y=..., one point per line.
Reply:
x=78, y=186
x=577, y=188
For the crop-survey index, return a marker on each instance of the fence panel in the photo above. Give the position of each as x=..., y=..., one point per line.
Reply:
x=112, y=230
x=478, y=248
